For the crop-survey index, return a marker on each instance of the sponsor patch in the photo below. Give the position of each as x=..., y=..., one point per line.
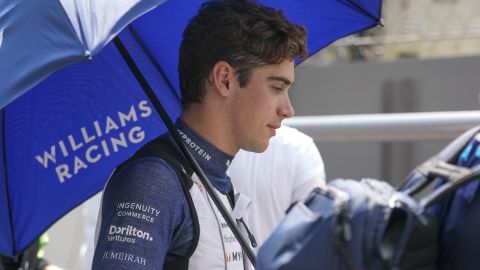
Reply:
x=139, y=211
x=229, y=239
x=126, y=257
x=128, y=234
x=234, y=256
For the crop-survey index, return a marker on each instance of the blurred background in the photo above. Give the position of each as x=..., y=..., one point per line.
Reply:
x=426, y=58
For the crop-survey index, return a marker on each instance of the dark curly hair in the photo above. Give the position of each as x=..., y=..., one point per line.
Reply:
x=243, y=33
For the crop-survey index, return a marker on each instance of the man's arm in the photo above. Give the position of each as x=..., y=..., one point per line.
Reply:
x=143, y=209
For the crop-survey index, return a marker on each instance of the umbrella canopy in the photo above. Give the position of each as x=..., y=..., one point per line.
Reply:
x=40, y=37
x=63, y=138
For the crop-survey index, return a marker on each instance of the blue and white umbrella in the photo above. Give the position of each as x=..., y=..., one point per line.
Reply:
x=85, y=112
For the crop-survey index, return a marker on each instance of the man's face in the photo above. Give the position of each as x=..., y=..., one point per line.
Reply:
x=259, y=108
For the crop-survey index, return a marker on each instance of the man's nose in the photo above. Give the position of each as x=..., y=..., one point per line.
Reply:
x=286, y=109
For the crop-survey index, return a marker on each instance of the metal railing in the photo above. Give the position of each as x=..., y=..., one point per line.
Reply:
x=386, y=127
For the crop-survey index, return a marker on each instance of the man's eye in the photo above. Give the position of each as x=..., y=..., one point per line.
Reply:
x=277, y=89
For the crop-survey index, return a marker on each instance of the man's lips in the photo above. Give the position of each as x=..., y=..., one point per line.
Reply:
x=273, y=128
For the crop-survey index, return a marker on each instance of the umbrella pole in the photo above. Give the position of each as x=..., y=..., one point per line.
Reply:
x=7, y=193
x=196, y=167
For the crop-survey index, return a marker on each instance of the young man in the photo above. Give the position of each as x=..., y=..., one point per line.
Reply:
x=236, y=65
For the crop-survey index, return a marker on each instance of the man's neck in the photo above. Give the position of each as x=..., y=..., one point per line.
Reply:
x=211, y=128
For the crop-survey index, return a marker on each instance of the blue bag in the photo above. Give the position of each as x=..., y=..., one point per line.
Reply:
x=368, y=224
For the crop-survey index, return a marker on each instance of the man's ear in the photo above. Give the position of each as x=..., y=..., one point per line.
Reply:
x=222, y=77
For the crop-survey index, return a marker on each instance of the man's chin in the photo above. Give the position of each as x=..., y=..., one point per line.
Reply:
x=257, y=148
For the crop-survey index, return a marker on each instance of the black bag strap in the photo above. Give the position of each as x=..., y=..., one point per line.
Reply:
x=441, y=166
x=164, y=149
x=452, y=185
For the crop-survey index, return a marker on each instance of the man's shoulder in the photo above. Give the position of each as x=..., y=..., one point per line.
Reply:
x=146, y=166
x=145, y=174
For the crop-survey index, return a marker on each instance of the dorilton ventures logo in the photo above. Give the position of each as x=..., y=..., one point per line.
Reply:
x=118, y=233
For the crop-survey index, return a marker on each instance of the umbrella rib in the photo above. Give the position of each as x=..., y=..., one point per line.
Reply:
x=152, y=59
x=9, y=206
x=363, y=11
